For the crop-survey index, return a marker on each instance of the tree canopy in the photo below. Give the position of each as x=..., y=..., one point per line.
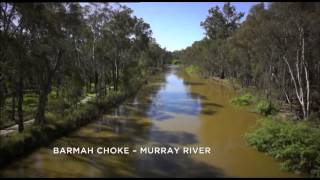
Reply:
x=274, y=49
x=65, y=48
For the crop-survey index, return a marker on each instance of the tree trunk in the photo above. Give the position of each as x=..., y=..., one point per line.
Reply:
x=116, y=75
x=105, y=84
x=113, y=79
x=96, y=81
x=20, y=101
x=13, y=107
x=43, y=99
x=2, y=100
x=301, y=86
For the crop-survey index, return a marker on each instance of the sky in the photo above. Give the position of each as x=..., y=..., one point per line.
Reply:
x=177, y=25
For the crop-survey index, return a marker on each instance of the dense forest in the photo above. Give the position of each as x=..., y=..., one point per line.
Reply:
x=275, y=49
x=53, y=55
x=272, y=58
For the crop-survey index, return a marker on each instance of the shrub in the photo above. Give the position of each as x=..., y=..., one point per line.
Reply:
x=266, y=108
x=243, y=100
x=50, y=117
x=296, y=144
x=192, y=69
x=58, y=105
x=52, y=95
x=30, y=100
x=175, y=62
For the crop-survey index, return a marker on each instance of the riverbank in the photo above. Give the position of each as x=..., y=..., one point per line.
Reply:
x=280, y=134
x=294, y=143
x=19, y=144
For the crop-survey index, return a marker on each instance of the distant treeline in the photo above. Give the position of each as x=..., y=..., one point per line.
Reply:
x=70, y=49
x=275, y=49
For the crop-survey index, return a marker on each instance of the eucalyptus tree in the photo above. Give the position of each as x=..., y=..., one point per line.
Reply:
x=7, y=28
x=14, y=57
x=68, y=48
x=219, y=26
x=97, y=15
x=275, y=50
x=297, y=26
x=48, y=45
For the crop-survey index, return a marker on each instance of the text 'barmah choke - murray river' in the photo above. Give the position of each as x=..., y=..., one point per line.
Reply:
x=127, y=150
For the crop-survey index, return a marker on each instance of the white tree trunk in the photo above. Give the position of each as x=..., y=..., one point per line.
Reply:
x=301, y=86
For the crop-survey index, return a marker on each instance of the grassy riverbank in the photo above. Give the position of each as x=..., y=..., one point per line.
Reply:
x=57, y=125
x=295, y=143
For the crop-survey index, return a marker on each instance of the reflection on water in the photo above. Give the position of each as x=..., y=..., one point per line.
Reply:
x=173, y=99
x=174, y=110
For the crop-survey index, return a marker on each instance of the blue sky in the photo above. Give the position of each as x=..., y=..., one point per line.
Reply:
x=177, y=25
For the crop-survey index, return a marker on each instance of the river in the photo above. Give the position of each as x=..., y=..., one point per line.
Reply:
x=173, y=110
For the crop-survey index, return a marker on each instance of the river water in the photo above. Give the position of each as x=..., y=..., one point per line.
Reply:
x=173, y=110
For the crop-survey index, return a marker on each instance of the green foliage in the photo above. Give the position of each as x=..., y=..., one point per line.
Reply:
x=243, y=100
x=175, y=62
x=221, y=22
x=256, y=52
x=52, y=95
x=297, y=145
x=191, y=69
x=58, y=105
x=266, y=108
x=30, y=99
x=67, y=51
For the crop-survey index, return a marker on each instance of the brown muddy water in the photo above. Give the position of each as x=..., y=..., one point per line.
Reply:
x=175, y=109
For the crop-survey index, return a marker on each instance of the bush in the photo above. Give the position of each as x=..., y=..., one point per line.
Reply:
x=30, y=100
x=175, y=62
x=192, y=69
x=58, y=105
x=266, y=108
x=243, y=100
x=52, y=95
x=296, y=144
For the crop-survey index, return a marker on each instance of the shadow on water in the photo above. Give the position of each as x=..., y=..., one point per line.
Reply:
x=196, y=95
x=208, y=112
x=175, y=166
x=211, y=105
x=161, y=116
x=166, y=137
x=146, y=165
x=188, y=83
x=128, y=125
x=132, y=165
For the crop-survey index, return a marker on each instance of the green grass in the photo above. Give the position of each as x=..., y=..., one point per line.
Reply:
x=29, y=107
x=296, y=144
x=243, y=100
